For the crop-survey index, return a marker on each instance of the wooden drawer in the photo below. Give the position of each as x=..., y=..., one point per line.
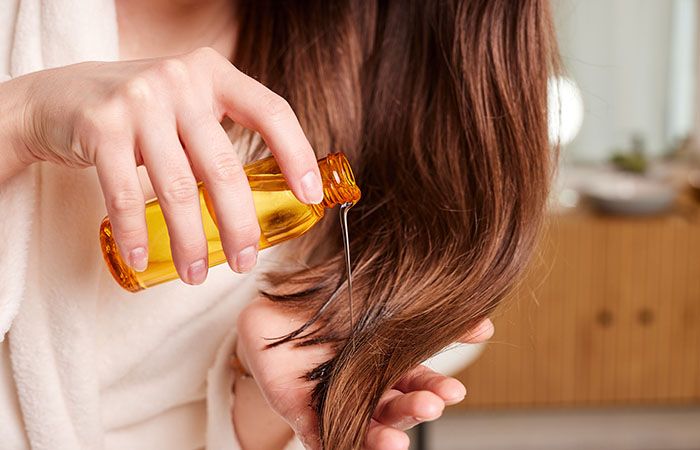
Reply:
x=609, y=314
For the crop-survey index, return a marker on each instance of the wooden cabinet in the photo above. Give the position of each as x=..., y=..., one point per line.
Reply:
x=609, y=314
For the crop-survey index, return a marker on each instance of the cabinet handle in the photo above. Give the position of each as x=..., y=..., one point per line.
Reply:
x=604, y=318
x=645, y=317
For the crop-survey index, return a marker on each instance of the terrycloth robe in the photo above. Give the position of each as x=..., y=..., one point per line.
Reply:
x=84, y=364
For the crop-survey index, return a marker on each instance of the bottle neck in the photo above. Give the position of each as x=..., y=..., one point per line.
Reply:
x=338, y=181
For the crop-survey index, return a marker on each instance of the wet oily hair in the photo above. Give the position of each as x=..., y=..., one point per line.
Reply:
x=441, y=107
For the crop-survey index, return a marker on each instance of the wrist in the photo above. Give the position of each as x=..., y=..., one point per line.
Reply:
x=14, y=151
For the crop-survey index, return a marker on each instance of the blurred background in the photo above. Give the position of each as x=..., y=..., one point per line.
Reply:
x=599, y=348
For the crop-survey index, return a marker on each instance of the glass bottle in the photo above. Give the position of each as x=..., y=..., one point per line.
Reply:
x=280, y=214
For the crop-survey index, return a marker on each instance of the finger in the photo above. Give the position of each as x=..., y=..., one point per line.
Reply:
x=176, y=188
x=404, y=411
x=125, y=202
x=386, y=398
x=254, y=106
x=215, y=160
x=382, y=437
x=481, y=333
x=424, y=379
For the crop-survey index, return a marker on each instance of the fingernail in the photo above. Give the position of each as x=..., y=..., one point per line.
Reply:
x=454, y=400
x=311, y=185
x=246, y=259
x=426, y=419
x=138, y=259
x=197, y=272
x=418, y=420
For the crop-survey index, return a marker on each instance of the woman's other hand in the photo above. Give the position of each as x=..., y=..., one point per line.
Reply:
x=421, y=395
x=165, y=114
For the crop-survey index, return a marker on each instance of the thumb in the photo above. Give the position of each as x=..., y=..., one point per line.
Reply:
x=481, y=333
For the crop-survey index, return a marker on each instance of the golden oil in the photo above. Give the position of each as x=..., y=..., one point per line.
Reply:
x=345, y=231
x=280, y=214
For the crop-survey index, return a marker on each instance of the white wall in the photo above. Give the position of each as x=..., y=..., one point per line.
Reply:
x=618, y=51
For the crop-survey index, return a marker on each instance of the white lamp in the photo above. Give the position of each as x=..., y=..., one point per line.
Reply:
x=565, y=110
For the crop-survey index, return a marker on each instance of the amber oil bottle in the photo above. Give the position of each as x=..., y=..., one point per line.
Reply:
x=280, y=214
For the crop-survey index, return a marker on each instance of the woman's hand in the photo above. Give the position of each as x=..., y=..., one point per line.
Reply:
x=421, y=395
x=165, y=114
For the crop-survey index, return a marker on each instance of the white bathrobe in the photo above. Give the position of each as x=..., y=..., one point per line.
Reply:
x=84, y=364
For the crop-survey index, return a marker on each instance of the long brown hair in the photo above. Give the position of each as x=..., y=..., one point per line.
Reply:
x=441, y=107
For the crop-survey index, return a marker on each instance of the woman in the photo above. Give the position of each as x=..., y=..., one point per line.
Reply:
x=441, y=107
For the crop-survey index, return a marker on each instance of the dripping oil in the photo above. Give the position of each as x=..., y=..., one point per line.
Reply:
x=344, y=208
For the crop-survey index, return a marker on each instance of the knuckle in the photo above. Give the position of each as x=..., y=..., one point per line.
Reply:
x=205, y=53
x=181, y=190
x=137, y=90
x=190, y=248
x=247, y=233
x=128, y=235
x=224, y=167
x=126, y=202
x=173, y=70
x=209, y=60
x=275, y=107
